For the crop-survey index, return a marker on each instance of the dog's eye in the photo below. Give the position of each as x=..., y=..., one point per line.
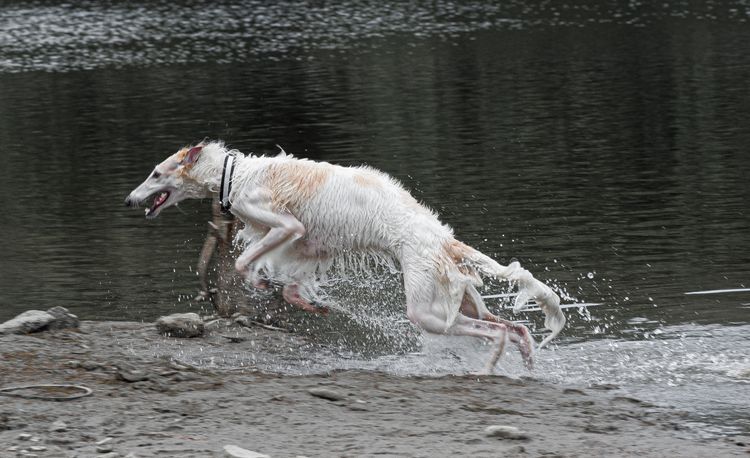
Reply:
x=155, y=174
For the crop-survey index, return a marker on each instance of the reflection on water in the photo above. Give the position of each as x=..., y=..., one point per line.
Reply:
x=88, y=34
x=601, y=143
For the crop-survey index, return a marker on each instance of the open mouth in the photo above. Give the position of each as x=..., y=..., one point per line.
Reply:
x=159, y=200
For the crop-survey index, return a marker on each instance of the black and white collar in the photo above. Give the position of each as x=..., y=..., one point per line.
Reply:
x=226, y=182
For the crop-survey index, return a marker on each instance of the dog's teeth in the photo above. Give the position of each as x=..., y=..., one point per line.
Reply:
x=148, y=210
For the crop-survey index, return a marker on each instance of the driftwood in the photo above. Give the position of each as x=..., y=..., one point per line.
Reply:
x=221, y=284
x=226, y=292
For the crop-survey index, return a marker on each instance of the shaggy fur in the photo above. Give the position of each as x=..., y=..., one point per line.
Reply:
x=304, y=218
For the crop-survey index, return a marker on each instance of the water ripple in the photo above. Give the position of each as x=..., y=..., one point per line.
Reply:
x=85, y=35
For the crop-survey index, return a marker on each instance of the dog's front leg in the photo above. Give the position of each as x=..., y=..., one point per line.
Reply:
x=283, y=227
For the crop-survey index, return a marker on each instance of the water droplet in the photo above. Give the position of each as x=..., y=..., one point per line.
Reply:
x=590, y=275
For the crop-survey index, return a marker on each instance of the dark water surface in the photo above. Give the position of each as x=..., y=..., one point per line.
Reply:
x=604, y=144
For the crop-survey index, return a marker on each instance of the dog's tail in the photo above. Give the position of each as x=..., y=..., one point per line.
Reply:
x=528, y=287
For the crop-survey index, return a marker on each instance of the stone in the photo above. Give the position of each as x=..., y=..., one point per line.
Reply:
x=27, y=322
x=506, y=432
x=104, y=448
x=232, y=451
x=325, y=393
x=131, y=375
x=89, y=365
x=181, y=325
x=63, y=319
x=515, y=450
x=58, y=427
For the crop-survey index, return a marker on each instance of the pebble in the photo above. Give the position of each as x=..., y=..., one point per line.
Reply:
x=24, y=436
x=58, y=427
x=90, y=365
x=328, y=394
x=232, y=451
x=506, y=432
x=181, y=325
x=132, y=376
x=104, y=448
x=63, y=319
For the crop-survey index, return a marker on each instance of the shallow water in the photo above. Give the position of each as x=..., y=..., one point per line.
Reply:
x=601, y=143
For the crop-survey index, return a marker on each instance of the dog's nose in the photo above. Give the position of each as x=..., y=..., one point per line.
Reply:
x=129, y=202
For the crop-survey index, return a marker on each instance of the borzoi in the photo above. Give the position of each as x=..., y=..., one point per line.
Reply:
x=302, y=217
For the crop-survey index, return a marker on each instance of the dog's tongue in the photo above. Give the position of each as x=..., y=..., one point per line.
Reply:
x=157, y=202
x=160, y=199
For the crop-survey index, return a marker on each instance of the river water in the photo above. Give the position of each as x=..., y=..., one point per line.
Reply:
x=603, y=144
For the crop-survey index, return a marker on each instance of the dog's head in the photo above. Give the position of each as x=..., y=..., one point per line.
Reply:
x=170, y=182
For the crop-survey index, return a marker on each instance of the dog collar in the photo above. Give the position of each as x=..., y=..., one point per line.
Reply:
x=226, y=183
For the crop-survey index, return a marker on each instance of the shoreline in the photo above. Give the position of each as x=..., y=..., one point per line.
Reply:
x=150, y=403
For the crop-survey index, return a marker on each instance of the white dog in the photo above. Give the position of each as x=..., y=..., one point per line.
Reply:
x=304, y=218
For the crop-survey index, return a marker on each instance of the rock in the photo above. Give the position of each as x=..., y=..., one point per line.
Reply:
x=104, y=448
x=325, y=393
x=27, y=322
x=36, y=320
x=63, y=319
x=89, y=365
x=506, y=432
x=515, y=450
x=131, y=375
x=181, y=325
x=238, y=452
x=58, y=427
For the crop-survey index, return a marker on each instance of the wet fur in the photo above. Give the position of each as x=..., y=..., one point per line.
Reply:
x=304, y=218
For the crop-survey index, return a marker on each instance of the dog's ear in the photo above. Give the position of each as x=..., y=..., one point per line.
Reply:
x=192, y=155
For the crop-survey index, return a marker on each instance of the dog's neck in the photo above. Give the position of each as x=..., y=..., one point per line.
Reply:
x=208, y=170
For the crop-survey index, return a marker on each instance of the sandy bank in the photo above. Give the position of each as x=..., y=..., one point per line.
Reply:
x=148, y=403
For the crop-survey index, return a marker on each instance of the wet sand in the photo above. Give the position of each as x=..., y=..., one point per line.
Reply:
x=147, y=401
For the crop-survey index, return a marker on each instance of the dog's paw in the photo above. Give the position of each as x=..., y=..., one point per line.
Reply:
x=320, y=308
x=261, y=284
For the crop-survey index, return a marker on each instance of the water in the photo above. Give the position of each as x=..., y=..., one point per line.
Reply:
x=601, y=143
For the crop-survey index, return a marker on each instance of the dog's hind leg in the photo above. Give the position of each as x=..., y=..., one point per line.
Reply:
x=465, y=326
x=429, y=318
x=472, y=305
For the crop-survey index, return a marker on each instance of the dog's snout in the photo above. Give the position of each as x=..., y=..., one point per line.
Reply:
x=129, y=202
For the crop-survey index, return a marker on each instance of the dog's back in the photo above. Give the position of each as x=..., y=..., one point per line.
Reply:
x=347, y=208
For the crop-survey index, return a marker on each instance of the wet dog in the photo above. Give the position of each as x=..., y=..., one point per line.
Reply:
x=303, y=218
